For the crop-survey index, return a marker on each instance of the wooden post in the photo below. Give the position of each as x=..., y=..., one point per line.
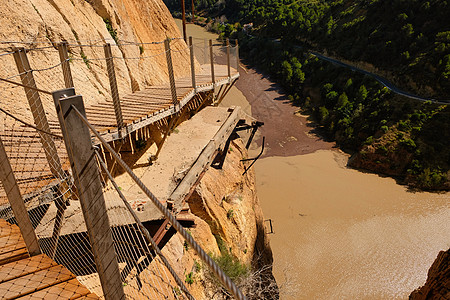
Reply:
x=228, y=59
x=183, y=17
x=205, y=53
x=114, y=89
x=87, y=180
x=237, y=56
x=40, y=120
x=170, y=69
x=191, y=48
x=193, y=11
x=212, y=63
x=65, y=64
x=18, y=206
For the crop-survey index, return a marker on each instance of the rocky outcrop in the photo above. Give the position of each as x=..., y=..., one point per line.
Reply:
x=229, y=220
x=437, y=285
x=87, y=25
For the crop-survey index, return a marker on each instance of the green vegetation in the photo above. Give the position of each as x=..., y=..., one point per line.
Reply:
x=111, y=30
x=189, y=278
x=231, y=265
x=85, y=59
x=408, y=39
x=230, y=214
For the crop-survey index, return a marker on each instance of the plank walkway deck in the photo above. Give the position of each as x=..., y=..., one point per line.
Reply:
x=139, y=110
x=36, y=277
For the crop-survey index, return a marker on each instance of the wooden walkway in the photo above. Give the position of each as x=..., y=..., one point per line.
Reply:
x=139, y=109
x=154, y=103
x=37, y=277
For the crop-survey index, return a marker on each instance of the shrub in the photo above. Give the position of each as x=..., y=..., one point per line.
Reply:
x=189, y=278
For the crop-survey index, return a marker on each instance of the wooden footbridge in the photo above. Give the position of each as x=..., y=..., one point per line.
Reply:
x=51, y=173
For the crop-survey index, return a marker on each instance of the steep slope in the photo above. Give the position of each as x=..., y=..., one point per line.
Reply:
x=134, y=28
x=438, y=281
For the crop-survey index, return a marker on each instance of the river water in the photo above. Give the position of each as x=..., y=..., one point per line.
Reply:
x=339, y=233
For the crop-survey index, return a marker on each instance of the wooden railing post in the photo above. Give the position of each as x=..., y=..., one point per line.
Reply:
x=191, y=49
x=89, y=186
x=211, y=55
x=237, y=56
x=205, y=53
x=40, y=119
x=65, y=64
x=18, y=206
x=114, y=89
x=170, y=69
x=228, y=59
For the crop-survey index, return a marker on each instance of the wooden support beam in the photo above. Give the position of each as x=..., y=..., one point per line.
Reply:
x=17, y=204
x=87, y=180
x=237, y=56
x=204, y=159
x=40, y=119
x=228, y=59
x=211, y=55
x=173, y=88
x=183, y=18
x=191, y=50
x=65, y=64
x=114, y=89
x=205, y=53
x=47, y=141
x=159, y=235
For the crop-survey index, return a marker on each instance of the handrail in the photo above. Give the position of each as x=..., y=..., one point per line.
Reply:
x=226, y=281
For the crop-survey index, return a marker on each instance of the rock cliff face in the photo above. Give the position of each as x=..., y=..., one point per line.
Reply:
x=87, y=25
x=229, y=220
x=437, y=285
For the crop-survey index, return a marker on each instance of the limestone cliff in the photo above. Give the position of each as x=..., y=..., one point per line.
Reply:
x=437, y=285
x=87, y=25
x=229, y=221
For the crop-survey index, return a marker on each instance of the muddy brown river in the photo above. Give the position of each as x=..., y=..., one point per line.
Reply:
x=338, y=233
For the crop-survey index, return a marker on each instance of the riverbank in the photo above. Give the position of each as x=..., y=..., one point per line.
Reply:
x=338, y=232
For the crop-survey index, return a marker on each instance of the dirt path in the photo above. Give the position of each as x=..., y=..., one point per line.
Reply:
x=286, y=132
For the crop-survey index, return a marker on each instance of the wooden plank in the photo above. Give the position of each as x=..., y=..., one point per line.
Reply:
x=14, y=255
x=71, y=289
x=6, y=229
x=25, y=266
x=88, y=297
x=11, y=242
x=30, y=283
x=204, y=159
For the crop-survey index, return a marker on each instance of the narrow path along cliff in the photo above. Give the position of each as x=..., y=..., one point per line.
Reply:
x=338, y=232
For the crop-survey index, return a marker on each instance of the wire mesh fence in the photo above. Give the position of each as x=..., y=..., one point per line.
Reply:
x=31, y=134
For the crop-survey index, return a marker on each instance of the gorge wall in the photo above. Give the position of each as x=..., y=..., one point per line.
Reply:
x=229, y=221
x=437, y=285
x=134, y=28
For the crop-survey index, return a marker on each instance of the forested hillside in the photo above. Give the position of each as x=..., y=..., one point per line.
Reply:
x=406, y=41
x=408, y=37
